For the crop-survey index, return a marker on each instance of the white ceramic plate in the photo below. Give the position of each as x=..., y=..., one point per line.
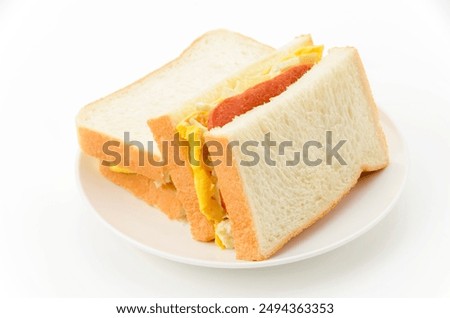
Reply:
x=149, y=229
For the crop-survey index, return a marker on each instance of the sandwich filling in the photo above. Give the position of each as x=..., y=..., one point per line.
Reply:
x=119, y=169
x=235, y=99
x=257, y=95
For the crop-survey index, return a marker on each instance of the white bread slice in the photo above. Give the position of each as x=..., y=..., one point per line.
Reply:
x=269, y=205
x=162, y=197
x=212, y=57
x=163, y=129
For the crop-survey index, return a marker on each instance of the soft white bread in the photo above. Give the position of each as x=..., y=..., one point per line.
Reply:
x=163, y=129
x=269, y=205
x=212, y=57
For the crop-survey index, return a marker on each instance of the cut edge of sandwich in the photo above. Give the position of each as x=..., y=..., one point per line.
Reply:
x=164, y=129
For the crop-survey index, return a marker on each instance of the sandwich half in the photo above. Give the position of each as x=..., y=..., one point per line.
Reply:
x=114, y=129
x=321, y=124
x=331, y=106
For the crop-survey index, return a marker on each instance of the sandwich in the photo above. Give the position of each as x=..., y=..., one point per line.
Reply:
x=250, y=145
x=114, y=130
x=312, y=119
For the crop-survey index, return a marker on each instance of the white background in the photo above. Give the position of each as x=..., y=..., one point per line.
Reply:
x=57, y=57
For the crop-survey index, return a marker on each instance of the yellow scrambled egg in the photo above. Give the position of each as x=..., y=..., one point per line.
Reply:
x=120, y=170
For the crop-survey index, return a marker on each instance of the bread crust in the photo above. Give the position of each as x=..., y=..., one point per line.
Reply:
x=182, y=177
x=163, y=197
x=373, y=106
x=92, y=142
x=239, y=213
